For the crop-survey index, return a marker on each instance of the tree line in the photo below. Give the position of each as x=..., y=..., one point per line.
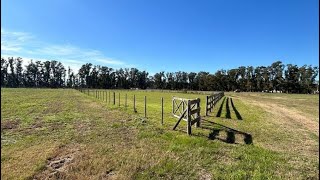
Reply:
x=52, y=74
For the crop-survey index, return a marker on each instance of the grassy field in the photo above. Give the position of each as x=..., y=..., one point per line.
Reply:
x=65, y=134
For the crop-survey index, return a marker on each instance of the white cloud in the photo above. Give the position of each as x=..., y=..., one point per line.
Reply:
x=20, y=44
x=13, y=41
x=110, y=61
x=19, y=36
x=9, y=48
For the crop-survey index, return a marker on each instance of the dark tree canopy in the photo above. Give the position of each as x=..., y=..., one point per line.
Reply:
x=52, y=74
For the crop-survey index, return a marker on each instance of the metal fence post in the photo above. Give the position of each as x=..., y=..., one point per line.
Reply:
x=145, y=106
x=161, y=110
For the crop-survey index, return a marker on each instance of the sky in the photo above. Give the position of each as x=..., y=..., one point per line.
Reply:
x=162, y=35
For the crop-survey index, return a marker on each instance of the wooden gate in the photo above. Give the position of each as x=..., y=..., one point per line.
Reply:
x=188, y=110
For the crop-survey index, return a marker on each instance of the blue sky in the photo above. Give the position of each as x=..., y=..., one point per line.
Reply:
x=162, y=35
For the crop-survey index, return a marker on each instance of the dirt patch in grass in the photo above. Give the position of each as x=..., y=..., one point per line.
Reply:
x=291, y=116
x=39, y=126
x=57, y=165
x=10, y=124
x=109, y=174
x=203, y=175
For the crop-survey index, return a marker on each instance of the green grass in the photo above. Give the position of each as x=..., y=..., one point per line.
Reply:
x=108, y=141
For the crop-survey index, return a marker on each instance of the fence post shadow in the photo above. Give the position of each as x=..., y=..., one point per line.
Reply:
x=228, y=114
x=215, y=131
x=239, y=117
x=213, y=135
x=220, y=108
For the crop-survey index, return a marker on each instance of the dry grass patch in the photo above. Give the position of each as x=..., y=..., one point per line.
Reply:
x=57, y=165
x=21, y=163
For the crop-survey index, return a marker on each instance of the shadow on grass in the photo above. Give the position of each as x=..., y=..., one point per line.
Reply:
x=228, y=114
x=216, y=128
x=235, y=110
x=220, y=109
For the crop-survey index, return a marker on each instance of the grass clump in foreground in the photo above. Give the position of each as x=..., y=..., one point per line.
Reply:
x=65, y=134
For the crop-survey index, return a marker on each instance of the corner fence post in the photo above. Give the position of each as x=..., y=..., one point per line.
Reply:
x=188, y=118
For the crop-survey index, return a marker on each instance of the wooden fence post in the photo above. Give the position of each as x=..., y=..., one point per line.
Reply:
x=207, y=105
x=119, y=99
x=183, y=106
x=188, y=118
x=198, y=113
x=145, y=106
x=106, y=92
x=212, y=104
x=161, y=110
x=134, y=103
x=173, y=105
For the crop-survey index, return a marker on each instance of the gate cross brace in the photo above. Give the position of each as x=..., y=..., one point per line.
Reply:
x=182, y=115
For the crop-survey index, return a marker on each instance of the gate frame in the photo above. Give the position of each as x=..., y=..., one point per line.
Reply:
x=190, y=113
